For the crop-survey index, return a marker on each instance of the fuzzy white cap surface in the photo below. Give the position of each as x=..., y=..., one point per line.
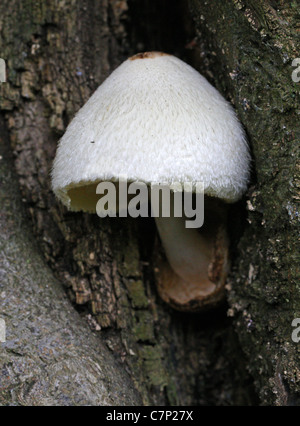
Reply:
x=154, y=119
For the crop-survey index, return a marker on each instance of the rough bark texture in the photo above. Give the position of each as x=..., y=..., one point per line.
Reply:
x=57, y=53
x=50, y=357
x=249, y=49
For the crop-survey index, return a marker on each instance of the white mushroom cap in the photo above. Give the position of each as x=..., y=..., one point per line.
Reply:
x=154, y=119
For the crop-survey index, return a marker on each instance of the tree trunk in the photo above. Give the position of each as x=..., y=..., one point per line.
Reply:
x=50, y=357
x=249, y=51
x=57, y=53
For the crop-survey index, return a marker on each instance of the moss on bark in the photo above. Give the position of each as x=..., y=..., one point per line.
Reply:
x=250, y=46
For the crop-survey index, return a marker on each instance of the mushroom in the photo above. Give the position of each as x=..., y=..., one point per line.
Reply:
x=155, y=119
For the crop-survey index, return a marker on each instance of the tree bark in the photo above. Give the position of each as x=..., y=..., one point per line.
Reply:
x=57, y=53
x=249, y=51
x=50, y=356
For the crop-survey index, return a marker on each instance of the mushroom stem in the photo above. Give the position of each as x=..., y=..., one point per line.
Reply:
x=197, y=259
x=187, y=251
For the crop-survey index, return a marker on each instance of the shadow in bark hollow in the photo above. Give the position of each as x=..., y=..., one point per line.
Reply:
x=160, y=25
